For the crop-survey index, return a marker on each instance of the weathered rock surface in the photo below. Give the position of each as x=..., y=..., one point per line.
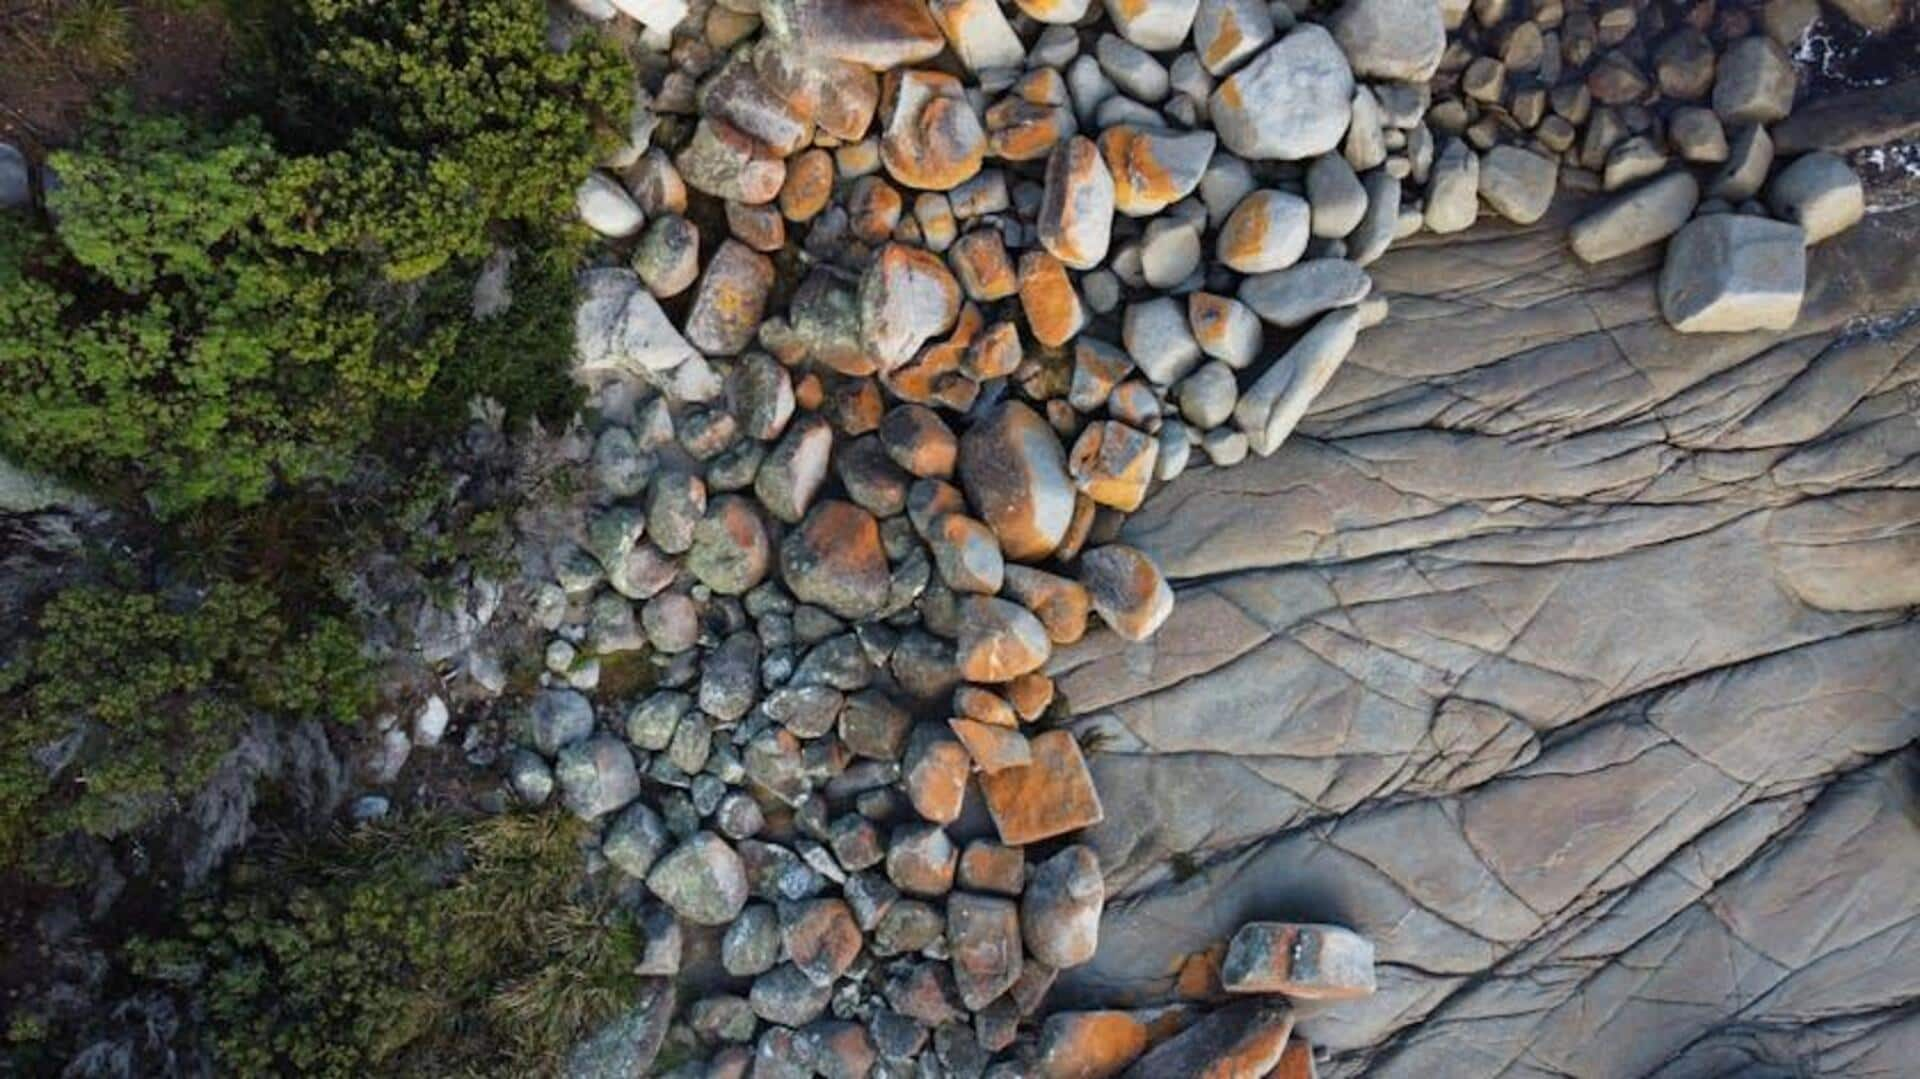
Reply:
x=1580, y=619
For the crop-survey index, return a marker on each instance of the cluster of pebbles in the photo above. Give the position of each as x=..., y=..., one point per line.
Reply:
x=915, y=300
x=1665, y=107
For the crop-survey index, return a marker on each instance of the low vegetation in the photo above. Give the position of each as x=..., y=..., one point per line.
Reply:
x=431, y=947
x=125, y=701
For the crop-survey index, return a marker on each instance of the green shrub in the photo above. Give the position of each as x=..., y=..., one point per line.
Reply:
x=221, y=313
x=429, y=947
x=123, y=704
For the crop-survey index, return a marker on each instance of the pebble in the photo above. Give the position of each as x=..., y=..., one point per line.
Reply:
x=1305, y=962
x=1060, y=911
x=1132, y=69
x=1274, y=404
x=1292, y=101
x=834, y=559
x=1518, y=184
x=606, y=208
x=1453, y=191
x=1076, y=213
x=1267, y=231
x=876, y=34
x=596, y=777
x=1170, y=252
x=999, y=640
x=1227, y=32
x=1730, y=273
x=1159, y=340
x=1225, y=329
x=907, y=296
x=1153, y=168
x=1050, y=797
x=1337, y=197
x=1819, y=192
x=933, y=139
x=1391, y=39
x=732, y=297
x=1755, y=83
x=1208, y=395
x=702, y=880
x=979, y=32
x=1636, y=219
x=730, y=552
x=1298, y=294
x=1047, y=298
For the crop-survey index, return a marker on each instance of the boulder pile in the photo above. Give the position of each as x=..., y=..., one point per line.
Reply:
x=907, y=303
x=1663, y=107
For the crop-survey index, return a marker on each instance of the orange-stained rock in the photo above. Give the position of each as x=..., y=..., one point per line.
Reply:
x=1016, y=478
x=808, y=186
x=1050, y=797
x=834, y=559
x=657, y=186
x=1031, y=120
x=907, y=296
x=728, y=163
x=873, y=209
x=994, y=354
x=921, y=380
x=979, y=703
x=1079, y=527
x=966, y=554
x=1134, y=404
x=855, y=405
x=998, y=640
x=1058, y=12
x=1266, y=231
x=919, y=441
x=1076, y=208
x=1061, y=604
x=1239, y=1040
x=1030, y=694
x=933, y=211
x=1308, y=962
x=994, y=749
x=986, y=866
x=808, y=393
x=1097, y=368
x=1089, y=1045
x=1153, y=169
x=1048, y=299
x=1225, y=328
x=933, y=140
x=1296, y=1062
x=821, y=938
x=849, y=96
x=1113, y=464
x=877, y=34
x=759, y=227
x=739, y=96
x=1199, y=975
x=934, y=774
x=980, y=262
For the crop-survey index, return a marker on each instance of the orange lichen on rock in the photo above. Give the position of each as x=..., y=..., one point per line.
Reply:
x=1050, y=797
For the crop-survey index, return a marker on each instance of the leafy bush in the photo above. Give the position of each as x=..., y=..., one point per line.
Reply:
x=124, y=703
x=429, y=947
x=219, y=313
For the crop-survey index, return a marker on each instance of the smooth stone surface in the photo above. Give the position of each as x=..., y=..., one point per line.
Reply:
x=1390, y=39
x=1636, y=219
x=1819, y=192
x=1294, y=296
x=1290, y=102
x=1730, y=273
